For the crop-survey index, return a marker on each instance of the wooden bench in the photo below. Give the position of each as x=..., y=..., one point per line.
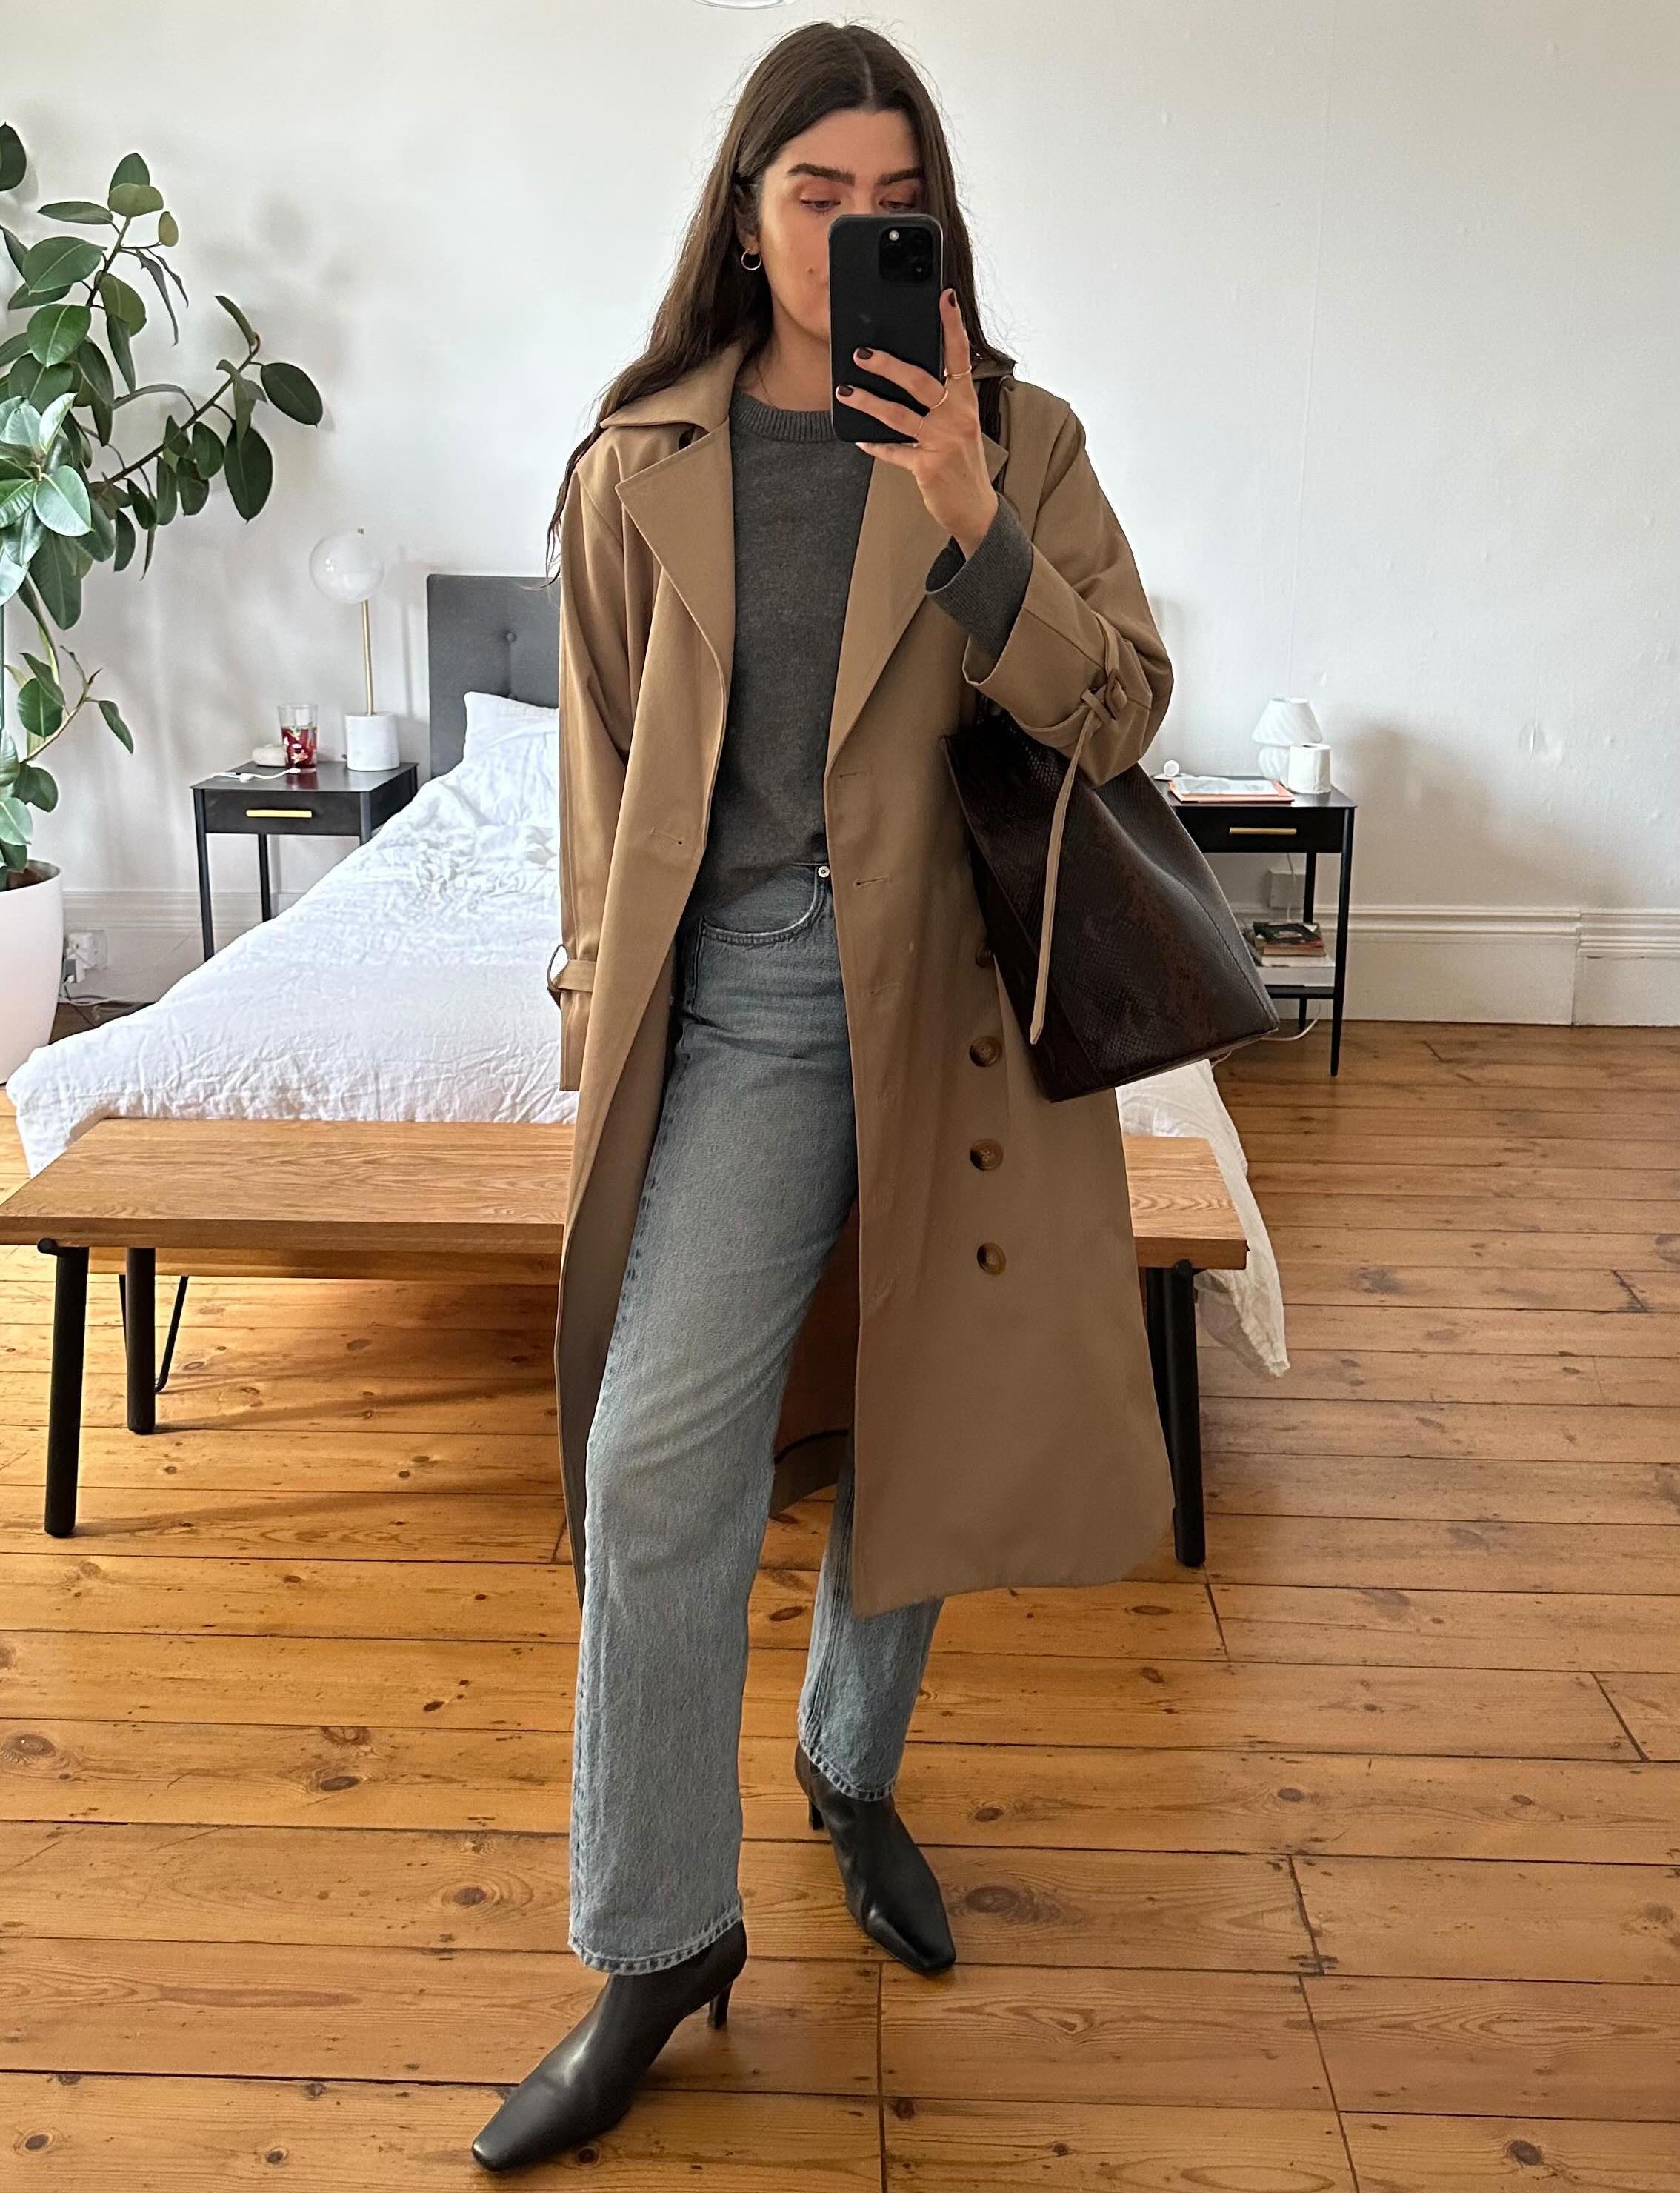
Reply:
x=472, y=1204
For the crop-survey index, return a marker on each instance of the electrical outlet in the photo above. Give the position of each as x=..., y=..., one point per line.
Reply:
x=84, y=950
x=1284, y=891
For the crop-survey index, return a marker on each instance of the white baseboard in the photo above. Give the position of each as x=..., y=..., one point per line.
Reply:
x=1606, y=966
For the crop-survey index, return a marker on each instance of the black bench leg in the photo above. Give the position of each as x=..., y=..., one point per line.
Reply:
x=64, y=1406
x=1171, y=1306
x=144, y=1370
x=139, y=1337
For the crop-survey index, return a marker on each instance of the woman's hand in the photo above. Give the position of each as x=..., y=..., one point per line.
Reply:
x=950, y=462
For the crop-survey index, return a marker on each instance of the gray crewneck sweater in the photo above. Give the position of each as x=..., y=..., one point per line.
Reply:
x=799, y=491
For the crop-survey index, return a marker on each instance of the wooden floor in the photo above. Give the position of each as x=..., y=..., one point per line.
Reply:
x=1351, y=1862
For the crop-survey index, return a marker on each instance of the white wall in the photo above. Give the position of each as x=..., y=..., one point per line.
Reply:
x=1371, y=307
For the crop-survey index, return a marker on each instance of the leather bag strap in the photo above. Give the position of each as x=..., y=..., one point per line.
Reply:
x=1095, y=696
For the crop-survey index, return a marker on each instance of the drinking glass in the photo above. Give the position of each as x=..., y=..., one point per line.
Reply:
x=299, y=732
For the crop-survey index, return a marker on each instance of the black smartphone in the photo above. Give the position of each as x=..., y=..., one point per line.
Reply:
x=885, y=272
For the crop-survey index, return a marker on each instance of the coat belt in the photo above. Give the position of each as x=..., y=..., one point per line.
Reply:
x=575, y=975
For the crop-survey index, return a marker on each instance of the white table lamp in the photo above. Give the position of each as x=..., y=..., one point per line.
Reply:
x=1292, y=746
x=347, y=568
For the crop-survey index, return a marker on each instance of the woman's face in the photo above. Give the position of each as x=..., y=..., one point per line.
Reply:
x=850, y=161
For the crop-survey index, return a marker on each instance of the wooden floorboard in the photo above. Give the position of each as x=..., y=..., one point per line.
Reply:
x=1350, y=1863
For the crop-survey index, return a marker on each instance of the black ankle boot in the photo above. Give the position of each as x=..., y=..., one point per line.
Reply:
x=585, y=2083
x=890, y=1888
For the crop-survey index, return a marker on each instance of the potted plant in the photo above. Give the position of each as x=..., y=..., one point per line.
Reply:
x=72, y=497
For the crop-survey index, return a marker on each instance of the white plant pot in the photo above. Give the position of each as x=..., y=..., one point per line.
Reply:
x=31, y=962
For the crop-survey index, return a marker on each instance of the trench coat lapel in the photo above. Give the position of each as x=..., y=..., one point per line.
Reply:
x=683, y=505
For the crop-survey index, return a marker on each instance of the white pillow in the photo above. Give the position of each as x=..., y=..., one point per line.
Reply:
x=490, y=718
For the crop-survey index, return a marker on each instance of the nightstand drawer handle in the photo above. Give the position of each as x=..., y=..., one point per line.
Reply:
x=287, y=811
x=1262, y=830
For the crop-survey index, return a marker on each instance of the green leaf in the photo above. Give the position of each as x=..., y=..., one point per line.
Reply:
x=108, y=709
x=15, y=824
x=16, y=249
x=244, y=399
x=15, y=495
x=290, y=389
x=40, y=711
x=166, y=493
x=193, y=490
x=19, y=421
x=124, y=528
x=121, y=349
x=77, y=209
x=42, y=384
x=44, y=677
x=14, y=570
x=14, y=160
x=101, y=537
x=27, y=534
x=206, y=449
x=94, y=374
x=157, y=270
x=34, y=785
x=57, y=260
x=13, y=346
x=56, y=571
x=238, y=319
x=56, y=329
x=248, y=463
x=122, y=302
x=168, y=230
x=62, y=501
x=140, y=503
x=52, y=419
x=131, y=168
x=131, y=200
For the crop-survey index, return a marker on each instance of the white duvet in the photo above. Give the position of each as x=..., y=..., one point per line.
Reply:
x=408, y=984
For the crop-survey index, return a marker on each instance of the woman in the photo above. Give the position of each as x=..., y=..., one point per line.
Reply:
x=778, y=1006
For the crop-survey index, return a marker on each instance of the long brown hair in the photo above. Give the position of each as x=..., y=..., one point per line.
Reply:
x=813, y=71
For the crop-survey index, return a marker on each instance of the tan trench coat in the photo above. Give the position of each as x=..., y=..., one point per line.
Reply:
x=1002, y=1421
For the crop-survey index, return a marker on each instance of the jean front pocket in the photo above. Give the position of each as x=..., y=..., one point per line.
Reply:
x=777, y=906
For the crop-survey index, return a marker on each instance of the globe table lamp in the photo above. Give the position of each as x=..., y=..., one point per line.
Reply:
x=347, y=568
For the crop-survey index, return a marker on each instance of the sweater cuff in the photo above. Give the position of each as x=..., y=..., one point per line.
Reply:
x=984, y=591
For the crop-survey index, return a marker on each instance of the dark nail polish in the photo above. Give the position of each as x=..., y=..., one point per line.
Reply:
x=863, y=351
x=844, y=388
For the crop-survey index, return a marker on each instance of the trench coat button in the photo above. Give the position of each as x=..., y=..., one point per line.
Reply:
x=986, y=1050
x=985, y=1155
x=990, y=1256
x=983, y=956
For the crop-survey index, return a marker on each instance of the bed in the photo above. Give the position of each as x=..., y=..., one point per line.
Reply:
x=409, y=983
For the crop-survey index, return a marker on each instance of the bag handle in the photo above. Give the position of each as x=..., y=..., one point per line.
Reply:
x=1093, y=700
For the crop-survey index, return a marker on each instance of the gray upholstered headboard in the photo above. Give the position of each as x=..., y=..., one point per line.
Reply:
x=487, y=636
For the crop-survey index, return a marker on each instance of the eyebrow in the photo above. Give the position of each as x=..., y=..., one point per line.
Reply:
x=845, y=174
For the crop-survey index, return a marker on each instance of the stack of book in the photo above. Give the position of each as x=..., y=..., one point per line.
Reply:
x=1291, y=950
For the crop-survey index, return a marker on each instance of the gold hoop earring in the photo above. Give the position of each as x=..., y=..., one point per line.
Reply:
x=753, y=264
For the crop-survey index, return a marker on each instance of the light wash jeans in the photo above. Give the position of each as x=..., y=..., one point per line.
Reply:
x=752, y=1172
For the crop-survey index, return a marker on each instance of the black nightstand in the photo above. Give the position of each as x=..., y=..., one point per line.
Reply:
x=1312, y=822
x=327, y=800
